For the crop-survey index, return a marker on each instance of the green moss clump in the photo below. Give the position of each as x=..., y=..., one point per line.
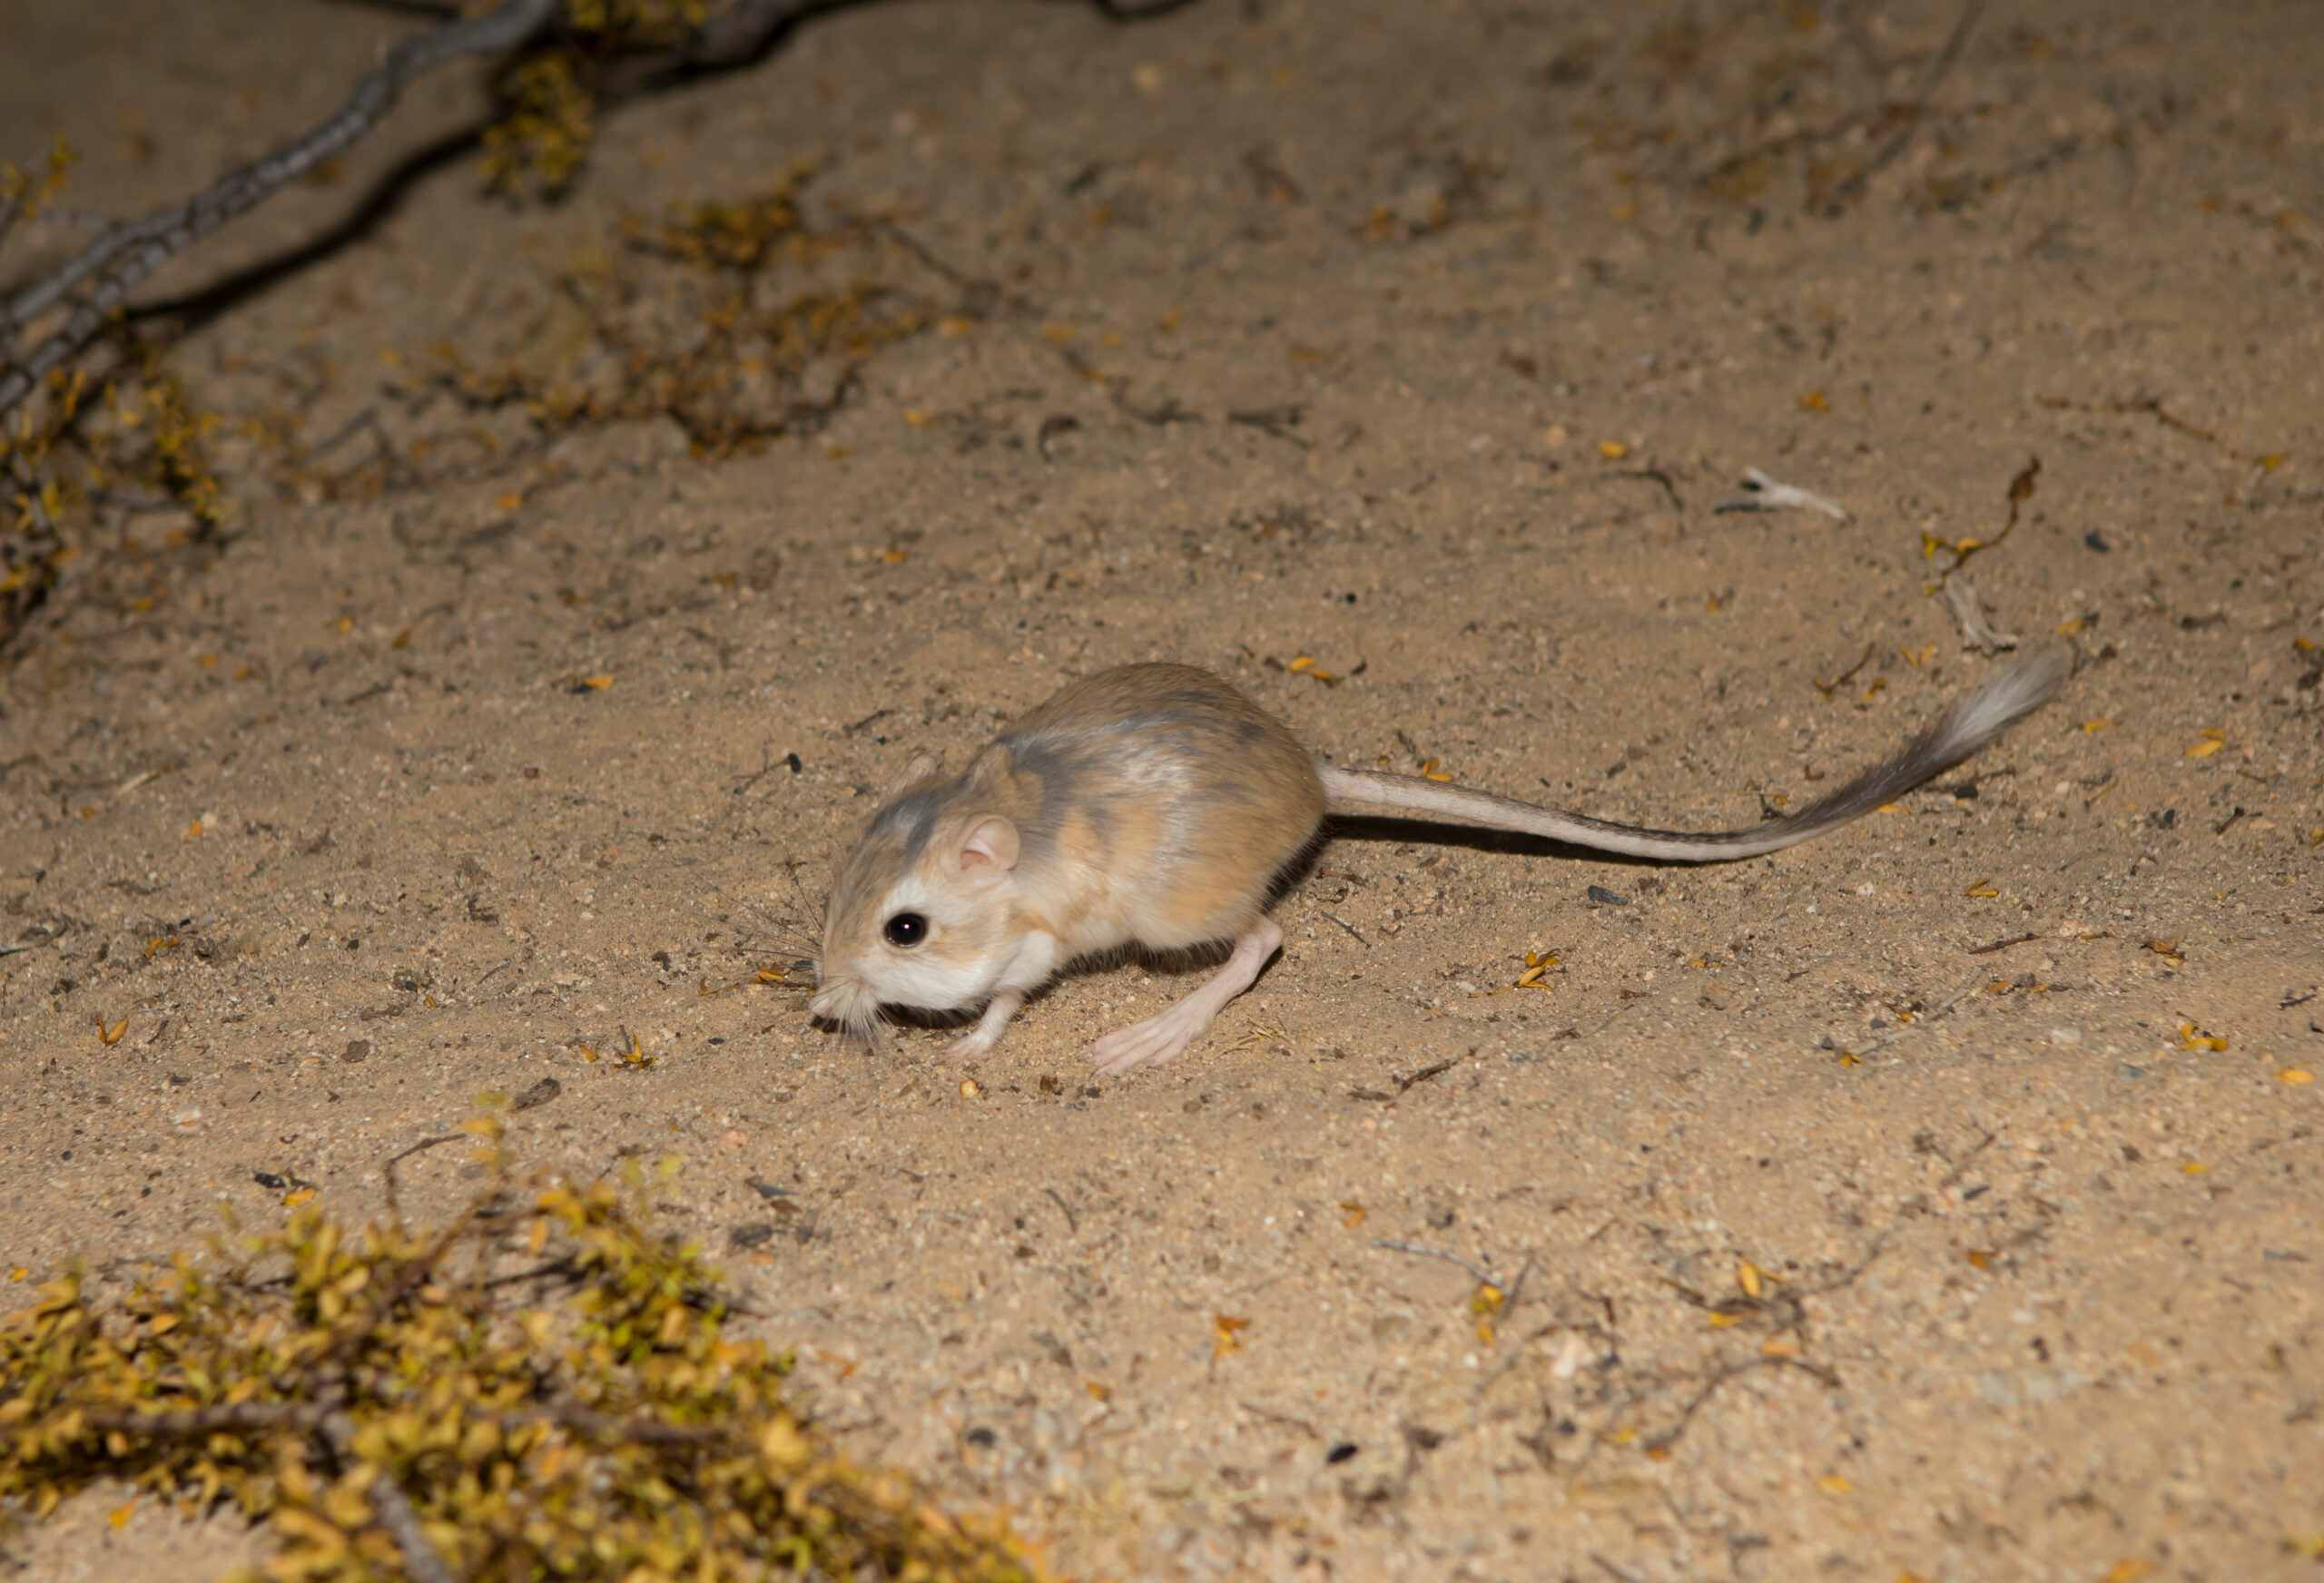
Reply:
x=549, y=94
x=114, y=423
x=740, y=321
x=127, y=433
x=543, y=1389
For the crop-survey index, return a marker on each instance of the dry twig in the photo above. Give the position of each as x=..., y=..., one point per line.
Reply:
x=125, y=254
x=1977, y=630
x=1485, y=1277
x=1765, y=494
x=1851, y=190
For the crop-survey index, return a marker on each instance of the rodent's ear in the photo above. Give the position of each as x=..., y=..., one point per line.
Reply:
x=921, y=767
x=991, y=842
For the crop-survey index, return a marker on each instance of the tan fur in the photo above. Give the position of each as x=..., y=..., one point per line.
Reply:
x=1155, y=806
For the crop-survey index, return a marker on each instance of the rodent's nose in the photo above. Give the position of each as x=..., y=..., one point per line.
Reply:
x=836, y=998
x=848, y=1001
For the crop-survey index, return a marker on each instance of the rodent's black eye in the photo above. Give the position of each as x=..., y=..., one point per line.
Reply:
x=906, y=929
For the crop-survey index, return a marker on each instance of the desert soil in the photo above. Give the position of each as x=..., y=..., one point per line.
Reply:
x=1938, y=1200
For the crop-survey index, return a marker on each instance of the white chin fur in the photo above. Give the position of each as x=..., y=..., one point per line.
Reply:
x=855, y=1006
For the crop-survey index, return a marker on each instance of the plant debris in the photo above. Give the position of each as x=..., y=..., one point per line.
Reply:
x=740, y=322
x=381, y=1404
x=1977, y=631
x=1762, y=492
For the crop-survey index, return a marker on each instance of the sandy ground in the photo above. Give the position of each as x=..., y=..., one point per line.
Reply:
x=1879, y=1210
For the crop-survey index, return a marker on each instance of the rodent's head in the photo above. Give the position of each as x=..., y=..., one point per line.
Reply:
x=921, y=915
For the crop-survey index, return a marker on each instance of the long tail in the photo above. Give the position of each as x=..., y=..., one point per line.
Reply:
x=1968, y=723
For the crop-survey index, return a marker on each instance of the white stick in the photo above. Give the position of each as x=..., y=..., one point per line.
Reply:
x=1771, y=494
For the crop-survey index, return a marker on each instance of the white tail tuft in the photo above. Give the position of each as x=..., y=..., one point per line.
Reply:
x=1965, y=726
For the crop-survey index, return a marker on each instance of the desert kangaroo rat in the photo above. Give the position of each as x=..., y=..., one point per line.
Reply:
x=1155, y=806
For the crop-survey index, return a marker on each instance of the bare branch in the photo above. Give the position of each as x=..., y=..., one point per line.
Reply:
x=1486, y=1276
x=1859, y=181
x=395, y=1210
x=125, y=254
x=744, y=33
x=739, y=33
x=647, y=1431
x=441, y=10
x=731, y=38
x=1735, y=1371
x=1118, y=11
x=421, y=1561
x=202, y=1420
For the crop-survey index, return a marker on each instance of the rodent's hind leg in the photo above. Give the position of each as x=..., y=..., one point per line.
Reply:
x=979, y=1040
x=1165, y=1037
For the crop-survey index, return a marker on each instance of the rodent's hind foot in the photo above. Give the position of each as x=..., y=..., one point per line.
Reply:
x=1164, y=1038
x=1155, y=1042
